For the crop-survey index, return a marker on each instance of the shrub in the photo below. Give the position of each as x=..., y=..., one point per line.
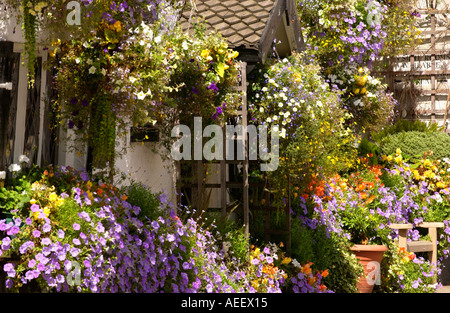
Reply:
x=141, y=196
x=415, y=144
x=326, y=252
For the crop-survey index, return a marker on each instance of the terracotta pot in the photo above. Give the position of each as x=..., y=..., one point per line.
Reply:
x=370, y=257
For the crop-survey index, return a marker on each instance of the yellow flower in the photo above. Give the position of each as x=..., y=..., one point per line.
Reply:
x=117, y=26
x=205, y=54
x=53, y=197
x=286, y=260
x=234, y=55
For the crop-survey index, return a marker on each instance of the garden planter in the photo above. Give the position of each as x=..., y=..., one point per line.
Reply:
x=370, y=257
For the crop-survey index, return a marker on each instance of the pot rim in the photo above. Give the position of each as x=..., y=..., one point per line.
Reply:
x=368, y=248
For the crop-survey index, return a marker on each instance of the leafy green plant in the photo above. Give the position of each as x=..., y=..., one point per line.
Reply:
x=326, y=252
x=141, y=196
x=405, y=126
x=415, y=143
x=405, y=272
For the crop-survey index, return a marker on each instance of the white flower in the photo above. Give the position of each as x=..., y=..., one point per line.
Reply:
x=158, y=39
x=184, y=45
x=77, y=60
x=296, y=264
x=89, y=61
x=92, y=70
x=2, y=175
x=103, y=71
x=24, y=159
x=141, y=95
x=14, y=168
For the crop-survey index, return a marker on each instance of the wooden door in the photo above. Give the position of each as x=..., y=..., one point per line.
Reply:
x=9, y=73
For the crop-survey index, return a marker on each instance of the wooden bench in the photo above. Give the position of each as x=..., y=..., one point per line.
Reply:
x=419, y=245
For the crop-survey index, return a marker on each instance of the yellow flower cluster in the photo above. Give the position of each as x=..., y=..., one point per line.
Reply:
x=270, y=272
x=46, y=198
x=425, y=170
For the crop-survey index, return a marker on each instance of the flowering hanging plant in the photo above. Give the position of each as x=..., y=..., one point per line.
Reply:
x=315, y=138
x=135, y=71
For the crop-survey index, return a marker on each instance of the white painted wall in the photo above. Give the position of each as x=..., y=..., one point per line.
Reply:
x=140, y=163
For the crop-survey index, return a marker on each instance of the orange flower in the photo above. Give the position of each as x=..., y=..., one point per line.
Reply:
x=306, y=269
x=370, y=200
x=124, y=197
x=322, y=288
x=325, y=273
x=311, y=280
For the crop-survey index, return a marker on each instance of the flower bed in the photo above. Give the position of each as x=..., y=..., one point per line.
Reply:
x=77, y=234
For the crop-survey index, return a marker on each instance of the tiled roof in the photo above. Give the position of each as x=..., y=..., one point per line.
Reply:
x=241, y=22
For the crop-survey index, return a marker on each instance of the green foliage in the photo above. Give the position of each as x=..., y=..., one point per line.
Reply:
x=67, y=214
x=326, y=252
x=141, y=196
x=414, y=144
x=404, y=272
x=370, y=150
x=233, y=240
x=405, y=126
x=13, y=198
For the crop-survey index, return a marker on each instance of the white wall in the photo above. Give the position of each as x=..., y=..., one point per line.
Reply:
x=142, y=164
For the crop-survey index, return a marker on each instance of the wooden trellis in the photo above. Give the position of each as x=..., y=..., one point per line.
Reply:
x=419, y=80
x=198, y=187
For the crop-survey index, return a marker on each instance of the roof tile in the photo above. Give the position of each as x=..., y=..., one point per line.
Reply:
x=241, y=22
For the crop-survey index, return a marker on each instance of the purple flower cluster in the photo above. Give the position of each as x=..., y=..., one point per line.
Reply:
x=108, y=248
x=406, y=202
